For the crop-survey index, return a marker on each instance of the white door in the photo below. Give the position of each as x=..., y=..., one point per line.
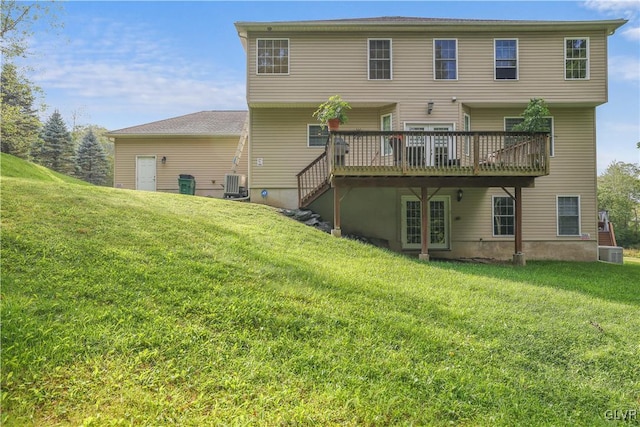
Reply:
x=146, y=173
x=438, y=222
x=432, y=151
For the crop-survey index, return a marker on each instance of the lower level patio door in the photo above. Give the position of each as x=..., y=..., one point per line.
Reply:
x=439, y=222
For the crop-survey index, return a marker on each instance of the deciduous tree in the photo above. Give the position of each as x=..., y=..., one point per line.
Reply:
x=619, y=193
x=16, y=21
x=20, y=124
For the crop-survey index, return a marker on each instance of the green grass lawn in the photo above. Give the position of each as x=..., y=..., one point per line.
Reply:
x=133, y=308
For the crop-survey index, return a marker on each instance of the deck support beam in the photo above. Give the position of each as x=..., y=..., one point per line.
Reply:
x=336, y=231
x=518, y=256
x=424, y=229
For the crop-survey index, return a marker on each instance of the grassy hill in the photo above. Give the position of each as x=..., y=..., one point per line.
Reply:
x=123, y=307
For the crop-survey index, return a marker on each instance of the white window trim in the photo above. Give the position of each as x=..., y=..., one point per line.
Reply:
x=552, y=145
x=588, y=59
x=384, y=139
x=517, y=60
x=579, y=216
x=382, y=116
x=390, y=60
x=493, y=218
x=467, y=143
x=288, y=56
x=309, y=135
x=434, y=61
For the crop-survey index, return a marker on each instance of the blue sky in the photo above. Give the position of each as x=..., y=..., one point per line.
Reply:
x=120, y=64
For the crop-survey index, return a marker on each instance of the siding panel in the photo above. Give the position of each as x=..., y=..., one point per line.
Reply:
x=207, y=159
x=341, y=59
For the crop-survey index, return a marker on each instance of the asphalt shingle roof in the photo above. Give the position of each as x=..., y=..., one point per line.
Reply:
x=205, y=123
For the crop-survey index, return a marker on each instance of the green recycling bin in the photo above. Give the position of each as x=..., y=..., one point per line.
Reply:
x=187, y=184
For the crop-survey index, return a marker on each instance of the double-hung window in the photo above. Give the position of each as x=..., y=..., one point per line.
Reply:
x=380, y=59
x=317, y=136
x=272, y=56
x=506, y=59
x=510, y=122
x=576, y=58
x=503, y=216
x=568, y=211
x=445, y=59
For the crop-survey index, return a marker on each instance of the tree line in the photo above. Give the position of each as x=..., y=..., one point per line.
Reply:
x=83, y=152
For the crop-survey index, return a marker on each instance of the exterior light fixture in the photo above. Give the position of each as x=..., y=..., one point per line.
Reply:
x=164, y=159
x=429, y=107
x=460, y=193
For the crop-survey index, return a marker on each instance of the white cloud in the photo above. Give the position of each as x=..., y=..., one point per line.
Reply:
x=628, y=9
x=136, y=70
x=619, y=9
x=624, y=68
x=632, y=33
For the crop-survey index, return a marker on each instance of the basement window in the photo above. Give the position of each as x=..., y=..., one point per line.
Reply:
x=568, y=210
x=503, y=216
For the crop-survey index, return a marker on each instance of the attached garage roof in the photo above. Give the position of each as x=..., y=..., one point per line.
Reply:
x=204, y=123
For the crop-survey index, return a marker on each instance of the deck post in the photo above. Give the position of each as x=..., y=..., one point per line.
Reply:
x=518, y=256
x=424, y=229
x=335, y=231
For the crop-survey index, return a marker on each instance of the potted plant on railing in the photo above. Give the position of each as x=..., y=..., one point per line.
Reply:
x=332, y=112
x=535, y=119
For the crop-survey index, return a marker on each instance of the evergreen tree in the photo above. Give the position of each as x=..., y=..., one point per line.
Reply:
x=57, y=151
x=20, y=125
x=81, y=131
x=91, y=161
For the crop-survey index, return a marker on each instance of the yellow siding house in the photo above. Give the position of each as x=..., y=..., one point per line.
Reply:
x=433, y=166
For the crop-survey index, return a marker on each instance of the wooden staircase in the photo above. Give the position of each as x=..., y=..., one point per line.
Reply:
x=606, y=238
x=313, y=181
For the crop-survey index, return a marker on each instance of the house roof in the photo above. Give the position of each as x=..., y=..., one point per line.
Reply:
x=402, y=23
x=204, y=123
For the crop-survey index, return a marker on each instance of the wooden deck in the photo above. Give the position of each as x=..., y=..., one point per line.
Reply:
x=418, y=158
x=438, y=154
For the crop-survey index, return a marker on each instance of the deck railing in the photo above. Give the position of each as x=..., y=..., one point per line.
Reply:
x=313, y=179
x=420, y=153
x=433, y=153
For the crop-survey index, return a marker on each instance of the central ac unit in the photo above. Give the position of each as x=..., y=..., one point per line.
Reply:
x=610, y=254
x=235, y=186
